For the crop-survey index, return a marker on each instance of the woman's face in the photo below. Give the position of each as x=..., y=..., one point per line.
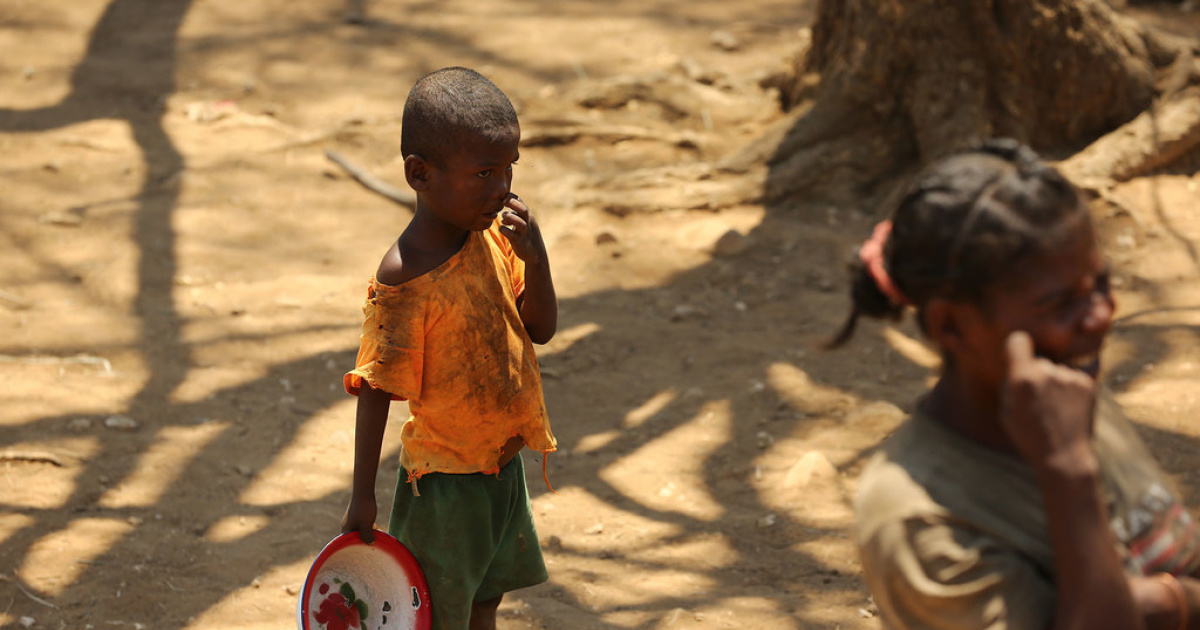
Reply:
x=1061, y=298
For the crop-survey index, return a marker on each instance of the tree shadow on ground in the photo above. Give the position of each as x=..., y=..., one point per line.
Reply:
x=770, y=394
x=168, y=547
x=166, y=539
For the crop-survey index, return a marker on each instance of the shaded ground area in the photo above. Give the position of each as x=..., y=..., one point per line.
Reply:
x=181, y=271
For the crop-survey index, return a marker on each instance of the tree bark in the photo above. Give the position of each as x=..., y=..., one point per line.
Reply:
x=888, y=85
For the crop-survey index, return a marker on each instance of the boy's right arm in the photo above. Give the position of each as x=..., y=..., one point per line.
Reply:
x=370, y=422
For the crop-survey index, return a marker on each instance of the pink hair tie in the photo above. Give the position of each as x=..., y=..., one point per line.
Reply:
x=871, y=255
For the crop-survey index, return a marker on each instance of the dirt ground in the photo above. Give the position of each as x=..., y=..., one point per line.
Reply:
x=182, y=269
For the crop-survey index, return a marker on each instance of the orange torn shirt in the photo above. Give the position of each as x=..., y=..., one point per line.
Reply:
x=452, y=344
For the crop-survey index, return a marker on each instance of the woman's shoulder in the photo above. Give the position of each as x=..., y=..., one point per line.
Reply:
x=895, y=481
x=927, y=469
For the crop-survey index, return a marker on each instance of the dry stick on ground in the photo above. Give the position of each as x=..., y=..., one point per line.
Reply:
x=14, y=301
x=102, y=364
x=374, y=184
x=41, y=457
x=17, y=581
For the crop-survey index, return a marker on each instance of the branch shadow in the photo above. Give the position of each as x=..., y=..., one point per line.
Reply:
x=721, y=359
x=168, y=546
x=158, y=557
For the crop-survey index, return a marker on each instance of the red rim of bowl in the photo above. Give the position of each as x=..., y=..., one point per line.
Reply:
x=390, y=546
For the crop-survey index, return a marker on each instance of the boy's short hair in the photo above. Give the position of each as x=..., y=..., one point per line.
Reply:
x=447, y=106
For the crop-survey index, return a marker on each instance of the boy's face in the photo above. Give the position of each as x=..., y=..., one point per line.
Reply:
x=469, y=190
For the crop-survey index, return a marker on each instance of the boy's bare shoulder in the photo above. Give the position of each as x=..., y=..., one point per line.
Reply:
x=401, y=264
x=392, y=270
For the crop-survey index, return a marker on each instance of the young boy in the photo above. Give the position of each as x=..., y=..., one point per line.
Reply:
x=450, y=321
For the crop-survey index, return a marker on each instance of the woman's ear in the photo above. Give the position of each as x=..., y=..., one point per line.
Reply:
x=945, y=322
x=416, y=171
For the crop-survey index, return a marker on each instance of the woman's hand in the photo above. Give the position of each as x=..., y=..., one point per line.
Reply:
x=1046, y=408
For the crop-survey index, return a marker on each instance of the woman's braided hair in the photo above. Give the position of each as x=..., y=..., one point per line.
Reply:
x=964, y=225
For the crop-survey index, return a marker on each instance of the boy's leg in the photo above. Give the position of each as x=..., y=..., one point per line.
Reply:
x=483, y=614
x=437, y=528
x=473, y=536
x=517, y=562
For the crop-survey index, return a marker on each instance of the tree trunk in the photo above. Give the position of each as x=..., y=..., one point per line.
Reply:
x=888, y=85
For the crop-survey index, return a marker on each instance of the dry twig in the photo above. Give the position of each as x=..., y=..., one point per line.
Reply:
x=372, y=183
x=14, y=301
x=28, y=594
x=102, y=364
x=41, y=457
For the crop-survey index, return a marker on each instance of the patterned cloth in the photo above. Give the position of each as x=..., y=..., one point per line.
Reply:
x=953, y=535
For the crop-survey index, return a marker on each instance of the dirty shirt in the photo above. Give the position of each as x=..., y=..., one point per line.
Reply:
x=451, y=343
x=953, y=535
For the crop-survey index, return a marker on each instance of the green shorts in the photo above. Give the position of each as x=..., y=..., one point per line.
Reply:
x=473, y=535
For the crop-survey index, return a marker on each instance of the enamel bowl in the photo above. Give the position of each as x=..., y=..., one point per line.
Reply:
x=356, y=586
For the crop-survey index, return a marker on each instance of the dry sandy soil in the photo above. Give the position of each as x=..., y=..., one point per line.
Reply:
x=181, y=275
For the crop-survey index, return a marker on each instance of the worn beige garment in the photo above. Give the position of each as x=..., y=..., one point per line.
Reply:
x=953, y=535
x=452, y=343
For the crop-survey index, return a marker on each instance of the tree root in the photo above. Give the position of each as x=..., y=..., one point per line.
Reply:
x=552, y=133
x=693, y=187
x=1163, y=134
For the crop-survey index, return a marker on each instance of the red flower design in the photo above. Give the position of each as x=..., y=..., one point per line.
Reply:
x=340, y=610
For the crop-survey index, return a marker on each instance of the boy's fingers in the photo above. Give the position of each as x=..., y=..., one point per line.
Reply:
x=514, y=222
x=517, y=205
x=509, y=233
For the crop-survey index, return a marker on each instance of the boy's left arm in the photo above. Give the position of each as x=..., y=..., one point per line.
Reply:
x=538, y=305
